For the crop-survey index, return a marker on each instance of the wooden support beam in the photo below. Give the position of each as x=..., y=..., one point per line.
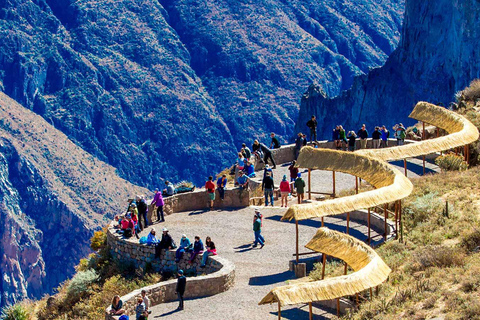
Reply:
x=323, y=223
x=371, y=294
x=396, y=220
x=356, y=184
x=324, y=262
x=424, y=136
x=310, y=312
x=345, y=268
x=333, y=177
x=405, y=166
x=296, y=240
x=385, y=213
x=279, y=311
x=369, y=228
x=400, y=219
x=468, y=153
x=356, y=300
x=348, y=222
x=338, y=307
x=309, y=184
x=376, y=291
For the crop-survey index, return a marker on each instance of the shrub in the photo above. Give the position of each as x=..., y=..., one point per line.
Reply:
x=471, y=241
x=470, y=93
x=99, y=240
x=451, y=162
x=425, y=206
x=80, y=285
x=437, y=256
x=15, y=312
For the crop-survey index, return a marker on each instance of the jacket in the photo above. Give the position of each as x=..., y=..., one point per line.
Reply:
x=376, y=135
x=362, y=134
x=158, y=199
x=257, y=225
x=312, y=124
x=198, y=246
x=268, y=183
x=284, y=186
x=300, y=185
x=181, y=284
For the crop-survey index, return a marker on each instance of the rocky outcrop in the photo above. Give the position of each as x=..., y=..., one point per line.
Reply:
x=436, y=57
x=168, y=89
x=53, y=195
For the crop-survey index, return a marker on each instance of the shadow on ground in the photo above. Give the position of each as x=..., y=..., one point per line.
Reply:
x=271, y=279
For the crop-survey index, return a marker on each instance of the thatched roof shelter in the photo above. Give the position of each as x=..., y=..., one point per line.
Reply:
x=370, y=271
x=390, y=184
x=461, y=132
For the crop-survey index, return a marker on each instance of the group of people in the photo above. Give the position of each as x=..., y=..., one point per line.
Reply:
x=142, y=310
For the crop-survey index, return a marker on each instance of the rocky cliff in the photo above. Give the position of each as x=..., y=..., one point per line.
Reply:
x=168, y=89
x=437, y=56
x=53, y=195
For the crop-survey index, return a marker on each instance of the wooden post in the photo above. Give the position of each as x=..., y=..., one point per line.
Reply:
x=405, y=166
x=400, y=219
x=465, y=153
x=424, y=135
x=376, y=291
x=310, y=312
x=348, y=222
x=396, y=220
x=345, y=267
x=323, y=223
x=333, y=176
x=309, y=184
x=356, y=299
x=438, y=132
x=385, y=213
x=356, y=184
x=371, y=294
x=468, y=154
x=338, y=307
x=279, y=311
x=296, y=245
x=368, y=222
x=324, y=257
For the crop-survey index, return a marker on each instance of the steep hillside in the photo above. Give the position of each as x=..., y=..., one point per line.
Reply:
x=436, y=57
x=170, y=88
x=52, y=196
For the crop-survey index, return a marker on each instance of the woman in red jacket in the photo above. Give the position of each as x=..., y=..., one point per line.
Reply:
x=285, y=190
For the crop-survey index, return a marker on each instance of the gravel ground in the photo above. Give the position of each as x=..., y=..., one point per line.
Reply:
x=257, y=270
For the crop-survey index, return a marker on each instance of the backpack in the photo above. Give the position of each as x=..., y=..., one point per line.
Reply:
x=124, y=317
x=402, y=134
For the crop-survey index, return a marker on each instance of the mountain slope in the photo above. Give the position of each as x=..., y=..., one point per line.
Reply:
x=437, y=56
x=164, y=89
x=52, y=196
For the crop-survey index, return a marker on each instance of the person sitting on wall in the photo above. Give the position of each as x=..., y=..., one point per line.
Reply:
x=116, y=308
x=250, y=170
x=243, y=180
x=185, y=246
x=197, y=249
x=152, y=238
x=221, y=185
x=166, y=243
x=128, y=226
x=275, y=144
x=170, y=190
x=246, y=151
x=211, y=251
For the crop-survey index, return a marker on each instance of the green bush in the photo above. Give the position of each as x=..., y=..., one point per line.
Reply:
x=470, y=93
x=437, y=256
x=451, y=162
x=424, y=207
x=15, y=312
x=81, y=283
x=99, y=240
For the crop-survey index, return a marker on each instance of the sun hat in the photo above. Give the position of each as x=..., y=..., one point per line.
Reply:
x=184, y=236
x=164, y=229
x=180, y=271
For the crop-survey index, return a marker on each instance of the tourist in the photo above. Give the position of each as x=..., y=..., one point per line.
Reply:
x=166, y=243
x=142, y=208
x=129, y=229
x=146, y=301
x=312, y=124
x=257, y=231
x=352, y=138
x=140, y=309
x=170, y=190
x=158, y=203
x=211, y=251
x=221, y=185
x=152, y=238
x=336, y=137
x=210, y=187
x=376, y=135
x=144, y=315
x=116, y=308
x=300, y=187
x=293, y=171
x=275, y=144
x=342, y=135
x=400, y=134
x=266, y=170
x=363, y=135
x=385, y=136
x=284, y=190
x=197, y=249
x=247, y=154
x=180, y=289
x=268, y=186
x=257, y=151
x=298, y=144
x=249, y=169
x=185, y=246
x=240, y=161
x=267, y=153
x=243, y=180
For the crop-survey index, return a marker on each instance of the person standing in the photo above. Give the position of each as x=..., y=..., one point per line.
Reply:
x=385, y=136
x=376, y=135
x=221, y=185
x=298, y=144
x=293, y=171
x=146, y=301
x=400, y=134
x=312, y=124
x=180, y=289
x=336, y=137
x=142, y=208
x=275, y=144
x=210, y=186
x=267, y=153
x=268, y=186
x=300, y=186
x=363, y=135
x=284, y=190
x=343, y=137
x=257, y=231
x=159, y=203
x=352, y=138
x=139, y=309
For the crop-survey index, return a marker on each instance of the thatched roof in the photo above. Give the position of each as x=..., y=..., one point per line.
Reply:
x=390, y=184
x=370, y=271
x=461, y=132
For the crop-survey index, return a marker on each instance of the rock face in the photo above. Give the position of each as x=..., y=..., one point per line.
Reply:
x=437, y=56
x=170, y=88
x=53, y=195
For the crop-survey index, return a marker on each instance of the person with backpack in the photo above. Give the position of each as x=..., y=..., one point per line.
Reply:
x=401, y=133
x=140, y=308
x=300, y=186
x=210, y=187
x=342, y=135
x=180, y=289
x=257, y=231
x=312, y=124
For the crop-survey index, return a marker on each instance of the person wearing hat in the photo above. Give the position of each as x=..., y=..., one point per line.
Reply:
x=159, y=203
x=185, y=245
x=166, y=243
x=300, y=186
x=257, y=230
x=180, y=289
x=284, y=190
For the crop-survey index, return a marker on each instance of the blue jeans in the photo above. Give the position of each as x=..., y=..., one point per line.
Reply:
x=205, y=257
x=258, y=238
x=268, y=194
